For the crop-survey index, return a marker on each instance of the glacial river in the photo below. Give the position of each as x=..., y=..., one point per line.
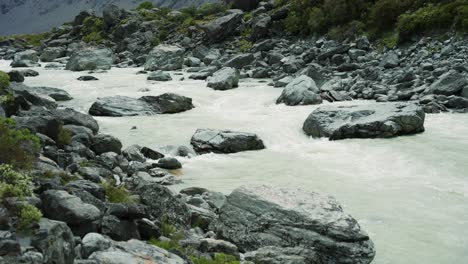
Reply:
x=409, y=193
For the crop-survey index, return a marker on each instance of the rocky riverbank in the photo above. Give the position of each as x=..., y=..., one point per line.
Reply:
x=101, y=203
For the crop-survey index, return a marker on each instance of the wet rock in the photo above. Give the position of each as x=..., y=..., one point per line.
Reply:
x=224, y=79
x=91, y=59
x=106, y=143
x=27, y=58
x=365, y=121
x=224, y=141
x=169, y=163
x=29, y=73
x=300, y=91
x=16, y=76
x=55, y=93
x=87, y=78
x=49, y=54
x=257, y=216
x=168, y=103
x=133, y=152
x=165, y=57
x=159, y=76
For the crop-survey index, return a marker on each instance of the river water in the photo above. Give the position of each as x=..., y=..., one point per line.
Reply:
x=409, y=193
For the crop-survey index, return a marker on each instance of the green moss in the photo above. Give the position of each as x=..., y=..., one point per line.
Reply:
x=63, y=176
x=245, y=45
x=13, y=183
x=92, y=30
x=18, y=147
x=4, y=81
x=145, y=6
x=247, y=16
x=218, y=258
x=116, y=194
x=28, y=215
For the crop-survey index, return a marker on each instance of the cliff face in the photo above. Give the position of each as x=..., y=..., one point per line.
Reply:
x=33, y=16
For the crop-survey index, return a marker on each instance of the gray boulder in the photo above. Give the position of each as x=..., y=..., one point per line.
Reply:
x=224, y=141
x=449, y=83
x=224, y=79
x=91, y=59
x=239, y=61
x=93, y=242
x=159, y=76
x=257, y=216
x=282, y=255
x=135, y=252
x=168, y=103
x=27, y=58
x=223, y=27
x=260, y=26
x=106, y=143
x=60, y=205
x=169, y=163
x=365, y=121
x=390, y=60
x=120, y=106
x=55, y=93
x=49, y=54
x=55, y=241
x=16, y=76
x=165, y=57
x=300, y=91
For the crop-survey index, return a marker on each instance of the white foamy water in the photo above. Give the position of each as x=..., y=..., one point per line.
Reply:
x=410, y=193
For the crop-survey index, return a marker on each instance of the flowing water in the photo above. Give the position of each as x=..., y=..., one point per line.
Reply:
x=409, y=193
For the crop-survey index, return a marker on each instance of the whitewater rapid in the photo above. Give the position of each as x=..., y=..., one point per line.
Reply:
x=410, y=193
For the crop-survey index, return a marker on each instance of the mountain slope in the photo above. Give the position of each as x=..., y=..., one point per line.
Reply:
x=33, y=16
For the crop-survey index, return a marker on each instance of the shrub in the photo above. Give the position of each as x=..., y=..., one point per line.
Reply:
x=145, y=6
x=92, y=30
x=218, y=258
x=29, y=39
x=4, y=81
x=18, y=147
x=13, y=183
x=64, y=137
x=116, y=194
x=210, y=9
x=64, y=177
x=348, y=31
x=28, y=215
x=245, y=45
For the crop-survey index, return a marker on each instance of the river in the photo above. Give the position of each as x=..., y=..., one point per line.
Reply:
x=409, y=193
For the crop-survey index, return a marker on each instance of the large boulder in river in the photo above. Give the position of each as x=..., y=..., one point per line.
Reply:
x=55, y=93
x=167, y=103
x=224, y=141
x=91, y=59
x=224, y=79
x=257, y=216
x=27, y=58
x=365, y=121
x=51, y=53
x=223, y=27
x=165, y=57
x=300, y=91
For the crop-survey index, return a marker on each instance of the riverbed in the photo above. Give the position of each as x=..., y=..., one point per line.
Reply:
x=409, y=193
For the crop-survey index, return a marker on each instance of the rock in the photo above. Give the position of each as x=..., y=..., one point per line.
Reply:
x=159, y=76
x=133, y=153
x=135, y=252
x=119, y=229
x=91, y=59
x=49, y=54
x=162, y=203
x=193, y=62
x=191, y=191
x=87, y=78
x=218, y=246
x=457, y=102
x=224, y=79
x=343, y=48
x=390, y=60
x=16, y=76
x=47, y=125
x=151, y=154
x=93, y=242
x=300, y=91
x=120, y=106
x=55, y=241
x=27, y=58
x=147, y=229
x=111, y=16
x=365, y=121
x=93, y=188
x=106, y=143
x=169, y=103
x=29, y=73
x=169, y=163
x=282, y=255
x=55, y=93
x=260, y=26
x=239, y=61
x=223, y=27
x=449, y=83
x=165, y=57
x=60, y=205
x=224, y=141
x=257, y=216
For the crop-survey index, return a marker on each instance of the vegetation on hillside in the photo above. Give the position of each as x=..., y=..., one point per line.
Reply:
x=30, y=39
x=406, y=18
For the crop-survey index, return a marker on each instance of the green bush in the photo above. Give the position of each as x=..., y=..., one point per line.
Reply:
x=245, y=45
x=4, y=81
x=348, y=31
x=210, y=9
x=218, y=258
x=64, y=137
x=116, y=194
x=145, y=6
x=29, y=39
x=63, y=176
x=17, y=147
x=13, y=183
x=28, y=215
x=93, y=29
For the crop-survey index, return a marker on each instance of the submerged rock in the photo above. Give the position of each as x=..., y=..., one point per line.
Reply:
x=257, y=216
x=365, y=121
x=224, y=141
x=300, y=91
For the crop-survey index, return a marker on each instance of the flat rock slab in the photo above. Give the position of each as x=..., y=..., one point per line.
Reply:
x=381, y=120
x=167, y=103
x=224, y=141
x=257, y=216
